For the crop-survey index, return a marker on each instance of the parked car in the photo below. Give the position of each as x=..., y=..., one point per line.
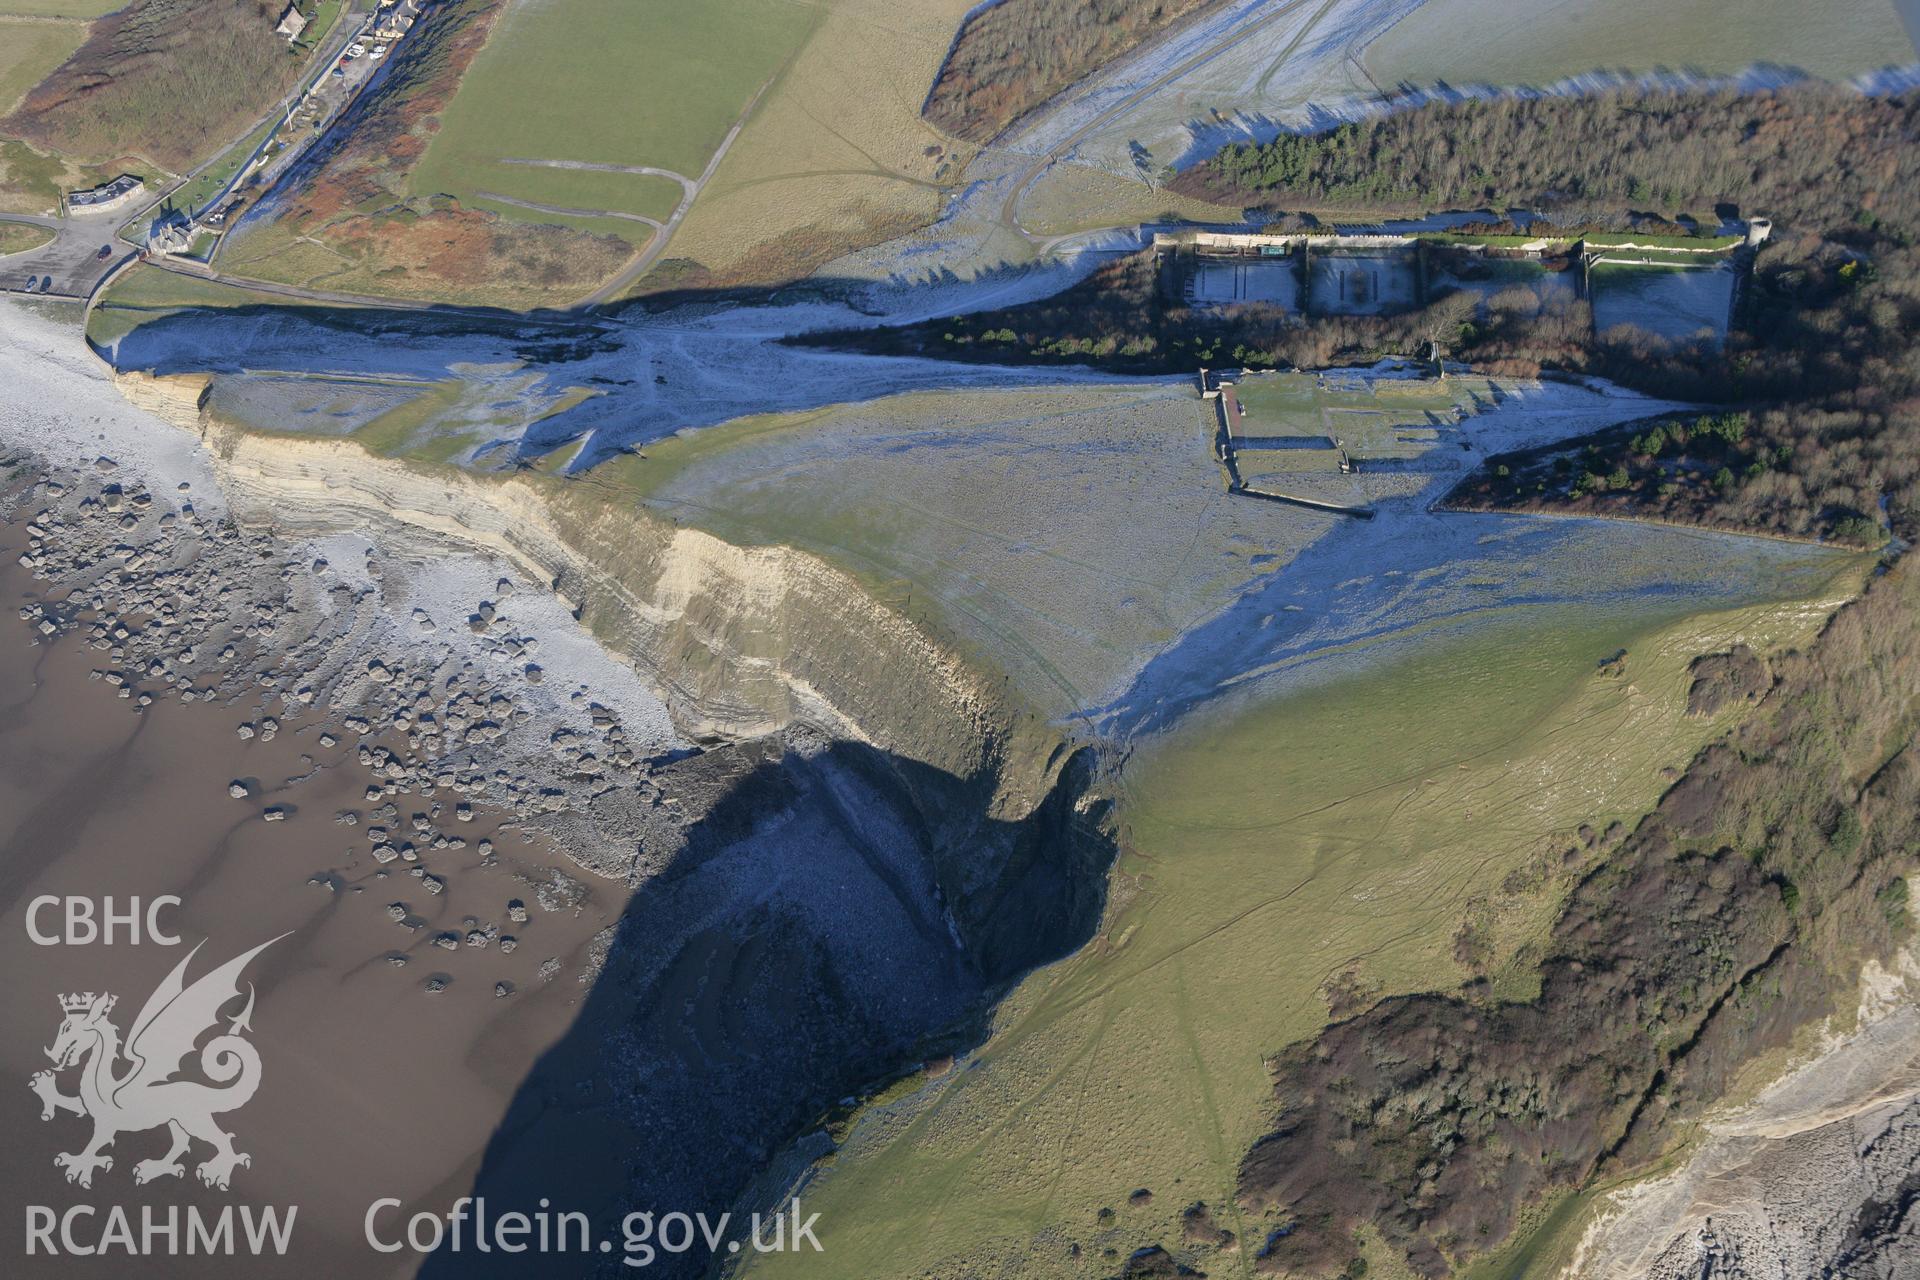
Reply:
x=106, y=251
x=46, y=284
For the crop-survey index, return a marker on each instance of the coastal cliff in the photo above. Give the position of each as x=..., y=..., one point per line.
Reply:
x=869, y=842
x=742, y=643
x=1815, y=1175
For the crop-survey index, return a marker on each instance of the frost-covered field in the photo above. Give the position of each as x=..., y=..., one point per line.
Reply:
x=1060, y=533
x=525, y=390
x=1354, y=284
x=1670, y=301
x=1473, y=42
x=1080, y=537
x=1073, y=528
x=1365, y=590
x=1246, y=69
x=1272, y=280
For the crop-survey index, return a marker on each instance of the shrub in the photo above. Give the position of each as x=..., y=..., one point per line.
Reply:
x=1859, y=530
x=1892, y=901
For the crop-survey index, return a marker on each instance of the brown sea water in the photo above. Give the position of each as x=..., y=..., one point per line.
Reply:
x=371, y=1086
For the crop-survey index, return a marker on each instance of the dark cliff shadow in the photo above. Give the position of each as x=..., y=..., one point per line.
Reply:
x=832, y=915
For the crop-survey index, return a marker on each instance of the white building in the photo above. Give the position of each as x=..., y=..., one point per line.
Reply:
x=108, y=195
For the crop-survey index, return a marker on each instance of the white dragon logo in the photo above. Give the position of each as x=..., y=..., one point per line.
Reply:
x=145, y=1095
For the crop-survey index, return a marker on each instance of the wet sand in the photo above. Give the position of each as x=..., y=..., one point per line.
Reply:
x=370, y=1085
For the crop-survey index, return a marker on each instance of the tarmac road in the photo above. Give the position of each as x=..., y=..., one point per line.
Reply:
x=72, y=257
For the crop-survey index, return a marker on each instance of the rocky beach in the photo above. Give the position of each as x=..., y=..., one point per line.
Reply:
x=284, y=737
x=437, y=947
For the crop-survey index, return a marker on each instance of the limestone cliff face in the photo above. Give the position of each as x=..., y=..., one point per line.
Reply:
x=740, y=642
x=1817, y=1175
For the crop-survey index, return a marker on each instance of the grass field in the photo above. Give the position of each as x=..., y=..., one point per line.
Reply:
x=17, y=237
x=1060, y=536
x=838, y=155
x=31, y=181
x=1686, y=247
x=834, y=157
x=1465, y=42
x=59, y=8
x=620, y=194
x=1335, y=836
x=29, y=51
x=1393, y=419
x=1080, y=198
x=1260, y=468
x=319, y=22
x=145, y=293
x=653, y=83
